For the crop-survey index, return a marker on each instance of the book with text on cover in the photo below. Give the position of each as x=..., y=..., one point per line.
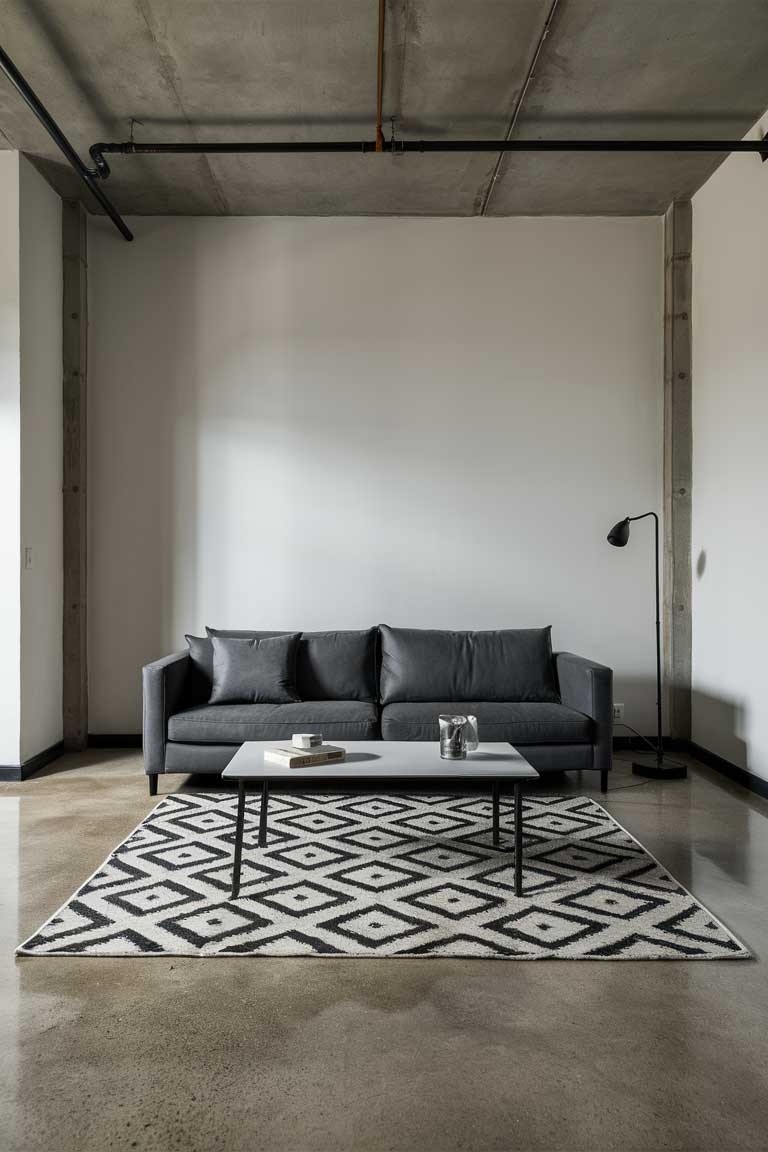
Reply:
x=304, y=757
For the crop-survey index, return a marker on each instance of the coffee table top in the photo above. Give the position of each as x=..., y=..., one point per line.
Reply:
x=379, y=759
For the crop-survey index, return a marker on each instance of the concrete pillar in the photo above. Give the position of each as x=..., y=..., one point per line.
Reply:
x=677, y=466
x=30, y=468
x=75, y=350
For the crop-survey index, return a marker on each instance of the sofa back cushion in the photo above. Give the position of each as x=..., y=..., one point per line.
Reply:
x=201, y=660
x=338, y=665
x=425, y=664
x=329, y=665
x=255, y=671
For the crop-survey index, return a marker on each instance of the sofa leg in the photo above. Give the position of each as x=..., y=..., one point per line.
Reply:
x=604, y=780
x=152, y=784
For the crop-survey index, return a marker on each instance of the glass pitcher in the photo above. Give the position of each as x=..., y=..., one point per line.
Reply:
x=458, y=735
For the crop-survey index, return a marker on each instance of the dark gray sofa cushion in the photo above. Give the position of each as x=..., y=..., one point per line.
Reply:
x=329, y=665
x=337, y=665
x=528, y=723
x=234, y=723
x=257, y=671
x=505, y=665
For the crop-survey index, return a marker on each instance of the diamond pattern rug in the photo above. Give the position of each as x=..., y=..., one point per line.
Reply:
x=366, y=875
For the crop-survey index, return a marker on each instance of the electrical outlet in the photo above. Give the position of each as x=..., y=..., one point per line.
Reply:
x=618, y=713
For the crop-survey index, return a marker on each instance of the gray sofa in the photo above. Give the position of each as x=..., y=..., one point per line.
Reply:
x=390, y=684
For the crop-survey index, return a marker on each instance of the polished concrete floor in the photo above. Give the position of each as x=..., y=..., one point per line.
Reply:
x=308, y=1054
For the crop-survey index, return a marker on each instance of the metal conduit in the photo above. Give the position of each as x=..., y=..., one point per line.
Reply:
x=86, y=175
x=496, y=174
x=136, y=148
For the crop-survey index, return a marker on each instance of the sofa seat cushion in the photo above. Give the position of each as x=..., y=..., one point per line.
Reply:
x=234, y=723
x=532, y=723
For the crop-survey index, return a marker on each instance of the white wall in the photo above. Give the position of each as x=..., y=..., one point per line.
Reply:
x=41, y=463
x=730, y=467
x=30, y=461
x=10, y=467
x=337, y=422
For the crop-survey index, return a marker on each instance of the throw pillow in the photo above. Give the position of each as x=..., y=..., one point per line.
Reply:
x=257, y=671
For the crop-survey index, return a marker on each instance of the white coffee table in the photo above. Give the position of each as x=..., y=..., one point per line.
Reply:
x=383, y=760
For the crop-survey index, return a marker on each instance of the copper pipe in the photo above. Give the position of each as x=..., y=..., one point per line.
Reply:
x=380, y=79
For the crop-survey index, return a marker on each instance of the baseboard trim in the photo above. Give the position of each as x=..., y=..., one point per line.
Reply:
x=725, y=767
x=114, y=740
x=34, y=764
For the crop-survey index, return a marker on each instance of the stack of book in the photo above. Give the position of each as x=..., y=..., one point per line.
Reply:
x=289, y=757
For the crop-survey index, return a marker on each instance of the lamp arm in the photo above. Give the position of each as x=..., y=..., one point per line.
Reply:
x=644, y=516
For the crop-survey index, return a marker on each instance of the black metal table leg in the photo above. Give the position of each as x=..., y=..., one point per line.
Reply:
x=263, y=814
x=495, y=799
x=518, y=839
x=238, y=838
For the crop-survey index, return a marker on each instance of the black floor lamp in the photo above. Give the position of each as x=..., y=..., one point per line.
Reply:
x=659, y=767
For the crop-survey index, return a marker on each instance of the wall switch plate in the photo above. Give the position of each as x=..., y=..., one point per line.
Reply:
x=27, y=557
x=618, y=713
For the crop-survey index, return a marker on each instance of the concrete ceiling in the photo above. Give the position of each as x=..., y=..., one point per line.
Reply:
x=305, y=69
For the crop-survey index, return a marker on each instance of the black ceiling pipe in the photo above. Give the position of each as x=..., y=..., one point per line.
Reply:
x=88, y=178
x=137, y=148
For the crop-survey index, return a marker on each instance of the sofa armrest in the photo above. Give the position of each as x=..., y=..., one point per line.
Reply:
x=588, y=687
x=163, y=684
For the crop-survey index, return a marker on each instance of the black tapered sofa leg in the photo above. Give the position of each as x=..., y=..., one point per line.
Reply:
x=152, y=777
x=604, y=780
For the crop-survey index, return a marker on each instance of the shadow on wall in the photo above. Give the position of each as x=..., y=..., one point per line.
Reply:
x=701, y=563
x=638, y=695
x=719, y=725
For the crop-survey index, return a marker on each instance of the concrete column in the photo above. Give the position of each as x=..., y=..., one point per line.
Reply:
x=75, y=350
x=30, y=469
x=677, y=466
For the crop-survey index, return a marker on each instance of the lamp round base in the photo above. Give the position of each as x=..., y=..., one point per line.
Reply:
x=663, y=769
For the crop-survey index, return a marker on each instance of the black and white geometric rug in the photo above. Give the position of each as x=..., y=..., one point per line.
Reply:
x=400, y=875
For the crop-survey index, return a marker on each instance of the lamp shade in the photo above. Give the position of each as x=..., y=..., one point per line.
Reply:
x=619, y=534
